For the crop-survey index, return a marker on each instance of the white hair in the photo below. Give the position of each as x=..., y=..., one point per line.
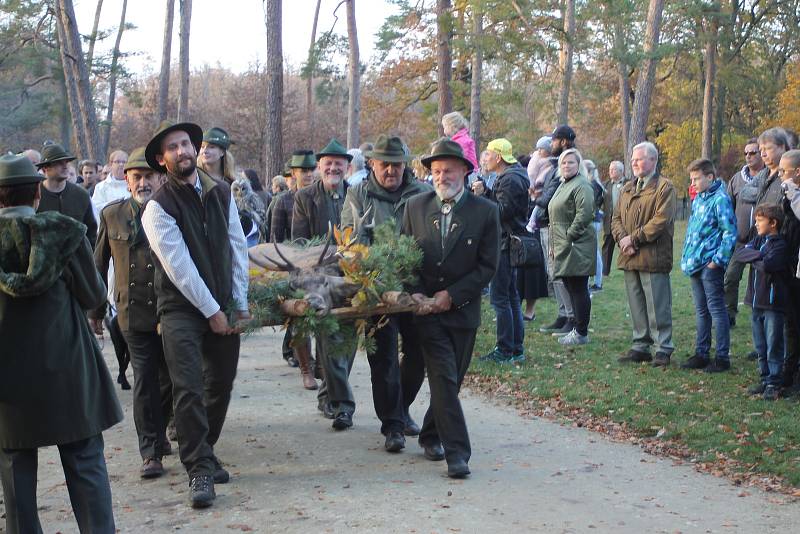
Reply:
x=453, y=122
x=649, y=148
x=618, y=164
x=358, y=159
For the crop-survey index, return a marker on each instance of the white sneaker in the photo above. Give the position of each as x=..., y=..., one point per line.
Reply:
x=573, y=338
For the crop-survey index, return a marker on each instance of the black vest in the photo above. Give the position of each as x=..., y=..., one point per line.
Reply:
x=204, y=225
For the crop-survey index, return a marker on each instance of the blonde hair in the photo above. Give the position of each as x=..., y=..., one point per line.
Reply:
x=453, y=122
x=228, y=166
x=581, y=164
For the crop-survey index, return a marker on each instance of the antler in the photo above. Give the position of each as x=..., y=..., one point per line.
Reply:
x=288, y=266
x=327, y=244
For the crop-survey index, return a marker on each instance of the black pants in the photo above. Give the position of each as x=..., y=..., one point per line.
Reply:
x=607, y=251
x=792, y=334
x=149, y=417
x=447, y=352
x=387, y=391
x=120, y=346
x=412, y=366
x=578, y=289
x=202, y=366
x=336, y=366
x=286, y=348
x=87, y=482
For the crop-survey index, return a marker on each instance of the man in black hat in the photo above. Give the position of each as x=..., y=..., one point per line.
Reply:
x=459, y=234
x=318, y=207
x=60, y=195
x=201, y=265
x=122, y=238
x=54, y=385
x=563, y=138
x=384, y=194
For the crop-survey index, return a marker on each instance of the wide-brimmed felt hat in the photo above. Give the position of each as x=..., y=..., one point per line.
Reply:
x=444, y=150
x=503, y=147
x=52, y=153
x=137, y=160
x=17, y=170
x=303, y=159
x=388, y=149
x=167, y=127
x=218, y=136
x=335, y=149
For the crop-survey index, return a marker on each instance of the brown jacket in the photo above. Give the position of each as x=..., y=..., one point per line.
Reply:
x=649, y=218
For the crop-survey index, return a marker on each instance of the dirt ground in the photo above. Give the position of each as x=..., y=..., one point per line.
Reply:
x=292, y=473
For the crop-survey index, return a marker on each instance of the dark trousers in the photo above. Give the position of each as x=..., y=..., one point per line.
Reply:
x=87, y=482
x=149, y=417
x=412, y=366
x=286, y=347
x=608, y=252
x=709, y=309
x=504, y=296
x=387, y=392
x=768, y=340
x=336, y=366
x=578, y=289
x=202, y=366
x=447, y=352
x=120, y=346
x=792, y=334
x=733, y=276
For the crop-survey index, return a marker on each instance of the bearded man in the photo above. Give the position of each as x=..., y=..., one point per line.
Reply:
x=459, y=234
x=122, y=238
x=201, y=272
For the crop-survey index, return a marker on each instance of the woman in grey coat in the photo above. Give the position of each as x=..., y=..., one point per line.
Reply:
x=573, y=241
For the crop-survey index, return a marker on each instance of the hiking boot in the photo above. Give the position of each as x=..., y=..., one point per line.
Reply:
x=752, y=355
x=573, y=338
x=518, y=358
x=221, y=475
x=718, y=366
x=568, y=327
x=412, y=428
x=201, y=491
x=635, y=356
x=772, y=393
x=695, y=362
x=151, y=468
x=395, y=442
x=756, y=389
x=457, y=469
x=556, y=325
x=661, y=360
x=491, y=356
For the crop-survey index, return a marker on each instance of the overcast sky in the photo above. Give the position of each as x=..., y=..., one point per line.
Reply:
x=229, y=32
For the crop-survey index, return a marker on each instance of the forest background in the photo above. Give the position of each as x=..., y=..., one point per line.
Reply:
x=695, y=77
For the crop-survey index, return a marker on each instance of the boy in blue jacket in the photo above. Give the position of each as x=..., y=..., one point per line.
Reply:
x=707, y=249
x=767, y=293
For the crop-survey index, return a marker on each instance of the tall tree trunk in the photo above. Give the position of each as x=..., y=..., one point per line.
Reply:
x=444, y=62
x=353, y=79
x=477, y=74
x=186, y=22
x=112, y=81
x=647, y=76
x=712, y=33
x=310, y=81
x=65, y=126
x=274, y=132
x=624, y=84
x=565, y=61
x=166, y=58
x=74, y=62
x=93, y=36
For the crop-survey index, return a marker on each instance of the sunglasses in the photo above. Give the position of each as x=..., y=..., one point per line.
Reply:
x=752, y=153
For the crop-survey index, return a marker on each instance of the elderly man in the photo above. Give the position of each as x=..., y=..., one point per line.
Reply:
x=743, y=192
x=58, y=194
x=318, y=207
x=54, y=385
x=510, y=193
x=201, y=275
x=384, y=194
x=612, y=188
x=643, y=226
x=122, y=238
x=114, y=187
x=459, y=234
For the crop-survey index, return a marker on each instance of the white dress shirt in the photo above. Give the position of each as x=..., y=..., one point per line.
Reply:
x=108, y=191
x=166, y=242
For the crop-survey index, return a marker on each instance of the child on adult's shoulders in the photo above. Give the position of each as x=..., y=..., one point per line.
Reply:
x=707, y=249
x=766, y=294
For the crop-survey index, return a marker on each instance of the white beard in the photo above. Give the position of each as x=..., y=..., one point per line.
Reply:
x=448, y=193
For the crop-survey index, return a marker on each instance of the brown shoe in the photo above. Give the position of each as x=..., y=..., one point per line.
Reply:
x=661, y=360
x=303, y=354
x=635, y=356
x=151, y=468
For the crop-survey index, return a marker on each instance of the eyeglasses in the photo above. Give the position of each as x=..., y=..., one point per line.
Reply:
x=751, y=153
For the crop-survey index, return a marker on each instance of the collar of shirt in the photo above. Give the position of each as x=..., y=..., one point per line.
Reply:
x=455, y=200
x=17, y=211
x=197, y=186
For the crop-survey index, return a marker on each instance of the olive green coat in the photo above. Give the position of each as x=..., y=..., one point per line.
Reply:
x=54, y=385
x=573, y=240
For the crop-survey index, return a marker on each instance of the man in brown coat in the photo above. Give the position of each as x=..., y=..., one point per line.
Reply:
x=643, y=225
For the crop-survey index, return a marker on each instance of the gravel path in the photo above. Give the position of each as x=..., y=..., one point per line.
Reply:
x=292, y=473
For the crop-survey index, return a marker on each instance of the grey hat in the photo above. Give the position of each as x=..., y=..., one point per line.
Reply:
x=544, y=143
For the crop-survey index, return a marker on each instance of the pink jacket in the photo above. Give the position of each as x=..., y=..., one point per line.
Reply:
x=467, y=145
